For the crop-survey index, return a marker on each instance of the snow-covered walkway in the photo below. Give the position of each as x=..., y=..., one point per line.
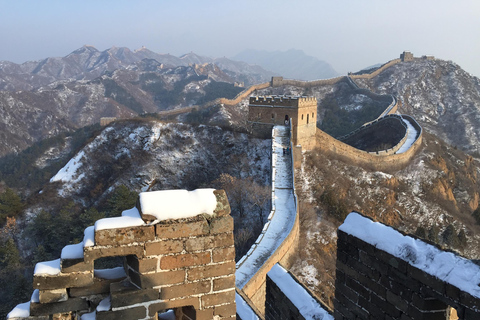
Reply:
x=411, y=137
x=283, y=213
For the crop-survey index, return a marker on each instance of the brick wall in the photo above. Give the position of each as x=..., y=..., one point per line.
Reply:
x=185, y=264
x=374, y=284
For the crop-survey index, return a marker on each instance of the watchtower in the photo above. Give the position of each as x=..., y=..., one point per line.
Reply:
x=278, y=110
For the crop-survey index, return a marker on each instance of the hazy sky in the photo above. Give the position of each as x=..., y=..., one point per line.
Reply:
x=349, y=34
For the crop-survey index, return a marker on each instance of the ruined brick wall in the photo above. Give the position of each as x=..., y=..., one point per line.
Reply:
x=374, y=284
x=185, y=264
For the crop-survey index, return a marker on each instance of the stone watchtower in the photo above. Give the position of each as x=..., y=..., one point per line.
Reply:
x=277, y=110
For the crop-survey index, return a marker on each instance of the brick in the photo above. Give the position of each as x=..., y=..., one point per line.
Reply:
x=121, y=236
x=131, y=313
x=181, y=230
x=184, y=290
x=223, y=206
x=397, y=301
x=93, y=253
x=62, y=280
x=427, y=279
x=226, y=310
x=160, y=306
x=223, y=240
x=76, y=265
x=223, y=254
x=98, y=286
x=221, y=225
x=151, y=280
x=199, y=244
x=224, y=283
x=49, y=296
x=164, y=247
x=72, y=304
x=206, y=314
x=210, y=271
x=214, y=299
x=184, y=260
x=125, y=293
x=469, y=301
x=142, y=265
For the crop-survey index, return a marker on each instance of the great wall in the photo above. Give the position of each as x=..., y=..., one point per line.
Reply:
x=187, y=264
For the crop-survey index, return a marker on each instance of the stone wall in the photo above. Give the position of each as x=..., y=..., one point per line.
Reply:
x=182, y=264
x=380, y=161
x=372, y=283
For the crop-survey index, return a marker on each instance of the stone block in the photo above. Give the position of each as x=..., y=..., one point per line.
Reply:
x=221, y=225
x=62, y=280
x=224, y=283
x=144, y=265
x=223, y=240
x=163, y=305
x=223, y=254
x=184, y=260
x=164, y=247
x=72, y=304
x=123, y=236
x=56, y=295
x=151, y=280
x=219, y=298
x=175, y=230
x=96, y=252
x=206, y=314
x=124, y=293
x=76, y=265
x=199, y=244
x=211, y=271
x=139, y=312
x=223, y=206
x=185, y=290
x=226, y=310
x=99, y=286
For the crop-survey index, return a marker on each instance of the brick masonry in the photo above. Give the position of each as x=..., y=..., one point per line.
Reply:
x=185, y=264
x=373, y=284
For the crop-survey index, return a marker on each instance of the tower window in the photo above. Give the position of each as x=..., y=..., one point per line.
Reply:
x=302, y=116
x=313, y=114
x=307, y=118
x=273, y=116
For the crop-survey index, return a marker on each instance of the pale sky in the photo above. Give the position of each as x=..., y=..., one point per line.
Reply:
x=348, y=34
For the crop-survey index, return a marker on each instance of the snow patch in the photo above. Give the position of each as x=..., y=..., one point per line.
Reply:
x=68, y=172
x=130, y=219
x=110, y=274
x=22, y=310
x=47, y=268
x=176, y=204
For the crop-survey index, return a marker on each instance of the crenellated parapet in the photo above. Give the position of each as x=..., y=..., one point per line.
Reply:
x=178, y=253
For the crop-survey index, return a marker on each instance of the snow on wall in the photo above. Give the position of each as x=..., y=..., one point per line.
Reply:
x=281, y=219
x=446, y=266
x=177, y=204
x=308, y=307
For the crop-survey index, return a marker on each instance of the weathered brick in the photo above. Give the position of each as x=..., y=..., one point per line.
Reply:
x=214, y=299
x=131, y=313
x=224, y=283
x=120, y=236
x=223, y=240
x=93, y=253
x=72, y=304
x=185, y=290
x=150, y=280
x=427, y=279
x=210, y=271
x=199, y=244
x=221, y=225
x=226, y=310
x=62, y=280
x=181, y=230
x=155, y=307
x=125, y=293
x=164, y=247
x=49, y=296
x=98, y=286
x=223, y=254
x=144, y=265
x=76, y=265
x=184, y=260
x=397, y=301
x=223, y=206
x=469, y=301
x=206, y=314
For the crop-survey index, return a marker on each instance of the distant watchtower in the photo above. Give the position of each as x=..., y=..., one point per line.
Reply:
x=277, y=110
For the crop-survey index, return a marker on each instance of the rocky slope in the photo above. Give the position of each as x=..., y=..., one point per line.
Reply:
x=441, y=96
